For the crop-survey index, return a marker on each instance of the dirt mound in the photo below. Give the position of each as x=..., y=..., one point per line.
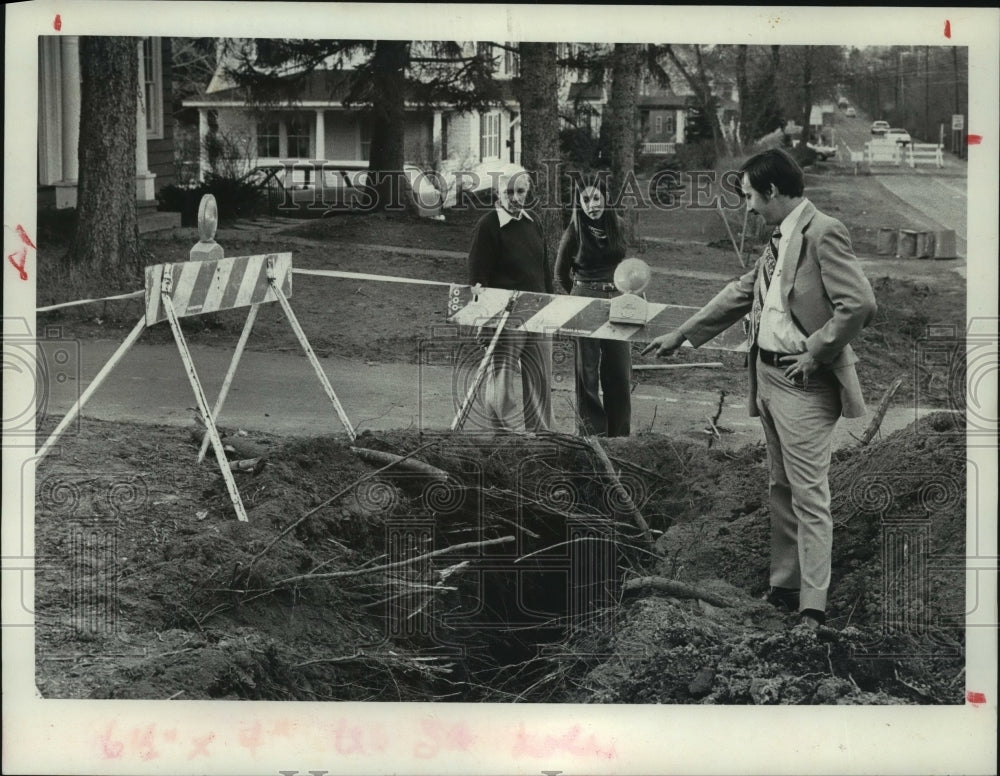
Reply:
x=506, y=575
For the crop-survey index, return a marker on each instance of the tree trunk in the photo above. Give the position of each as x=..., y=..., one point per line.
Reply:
x=748, y=109
x=105, y=245
x=388, y=122
x=622, y=108
x=538, y=93
x=806, y=93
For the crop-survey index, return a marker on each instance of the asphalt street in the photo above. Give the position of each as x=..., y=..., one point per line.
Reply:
x=280, y=393
x=940, y=195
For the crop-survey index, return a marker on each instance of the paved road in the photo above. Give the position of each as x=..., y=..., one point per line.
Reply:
x=279, y=393
x=940, y=195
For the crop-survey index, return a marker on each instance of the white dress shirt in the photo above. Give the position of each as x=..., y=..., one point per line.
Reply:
x=778, y=332
x=505, y=216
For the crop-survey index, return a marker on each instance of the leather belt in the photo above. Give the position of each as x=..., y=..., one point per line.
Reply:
x=596, y=284
x=770, y=358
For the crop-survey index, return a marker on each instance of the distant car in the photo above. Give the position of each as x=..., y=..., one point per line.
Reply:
x=473, y=185
x=880, y=127
x=344, y=187
x=823, y=152
x=843, y=102
x=850, y=112
x=900, y=136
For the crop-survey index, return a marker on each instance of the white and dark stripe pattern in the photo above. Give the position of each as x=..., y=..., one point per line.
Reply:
x=207, y=286
x=575, y=316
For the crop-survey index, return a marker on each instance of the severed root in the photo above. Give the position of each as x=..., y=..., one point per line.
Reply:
x=674, y=589
x=627, y=502
x=390, y=460
x=879, y=415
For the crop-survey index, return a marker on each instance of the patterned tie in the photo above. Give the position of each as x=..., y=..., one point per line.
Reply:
x=767, y=264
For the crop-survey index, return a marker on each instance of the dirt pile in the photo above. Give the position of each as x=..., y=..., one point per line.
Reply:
x=509, y=579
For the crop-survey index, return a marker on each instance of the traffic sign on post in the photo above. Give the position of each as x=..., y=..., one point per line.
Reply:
x=958, y=121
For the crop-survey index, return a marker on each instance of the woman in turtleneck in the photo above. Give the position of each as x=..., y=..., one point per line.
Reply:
x=590, y=249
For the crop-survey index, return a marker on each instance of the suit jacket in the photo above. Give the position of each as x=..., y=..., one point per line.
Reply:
x=827, y=293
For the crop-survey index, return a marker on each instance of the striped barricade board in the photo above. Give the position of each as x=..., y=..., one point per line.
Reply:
x=198, y=287
x=575, y=316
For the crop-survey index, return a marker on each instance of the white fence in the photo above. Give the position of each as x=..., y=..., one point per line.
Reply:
x=659, y=148
x=883, y=152
x=924, y=153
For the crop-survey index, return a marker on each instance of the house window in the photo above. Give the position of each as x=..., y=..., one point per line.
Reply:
x=489, y=136
x=152, y=93
x=445, y=120
x=268, y=138
x=365, y=139
x=670, y=126
x=511, y=62
x=298, y=136
x=658, y=124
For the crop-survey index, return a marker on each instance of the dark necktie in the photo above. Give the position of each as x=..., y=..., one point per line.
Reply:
x=767, y=264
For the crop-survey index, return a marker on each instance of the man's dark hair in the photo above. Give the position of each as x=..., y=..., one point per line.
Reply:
x=777, y=167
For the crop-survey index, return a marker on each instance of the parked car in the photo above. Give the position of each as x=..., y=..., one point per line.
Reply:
x=822, y=151
x=900, y=136
x=473, y=185
x=880, y=127
x=344, y=187
x=850, y=112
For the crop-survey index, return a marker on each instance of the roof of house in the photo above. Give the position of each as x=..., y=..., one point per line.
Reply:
x=320, y=87
x=662, y=98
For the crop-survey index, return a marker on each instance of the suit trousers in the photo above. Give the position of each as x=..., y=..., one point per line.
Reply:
x=798, y=421
x=602, y=366
x=517, y=393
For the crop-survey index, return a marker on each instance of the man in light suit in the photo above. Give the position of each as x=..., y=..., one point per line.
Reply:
x=806, y=299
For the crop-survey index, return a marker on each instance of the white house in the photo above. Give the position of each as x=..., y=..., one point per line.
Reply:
x=318, y=126
x=59, y=124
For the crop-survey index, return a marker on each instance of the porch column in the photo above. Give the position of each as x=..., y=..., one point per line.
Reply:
x=69, y=73
x=436, y=133
x=203, y=166
x=282, y=138
x=320, y=134
x=144, y=189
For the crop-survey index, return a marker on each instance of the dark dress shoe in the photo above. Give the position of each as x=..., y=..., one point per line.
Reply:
x=812, y=618
x=785, y=599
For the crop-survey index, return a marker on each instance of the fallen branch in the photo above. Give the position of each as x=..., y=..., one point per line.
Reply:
x=630, y=507
x=883, y=407
x=388, y=460
x=674, y=589
x=707, y=364
x=397, y=564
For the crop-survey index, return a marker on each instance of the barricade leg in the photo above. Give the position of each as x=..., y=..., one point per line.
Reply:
x=199, y=395
x=224, y=391
x=282, y=299
x=94, y=385
x=463, y=411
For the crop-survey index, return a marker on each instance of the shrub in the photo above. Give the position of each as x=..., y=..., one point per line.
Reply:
x=234, y=197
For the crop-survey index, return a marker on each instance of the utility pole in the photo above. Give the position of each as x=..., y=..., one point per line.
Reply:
x=960, y=143
x=927, y=91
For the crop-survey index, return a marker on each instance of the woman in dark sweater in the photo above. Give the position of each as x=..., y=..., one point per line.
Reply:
x=590, y=249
